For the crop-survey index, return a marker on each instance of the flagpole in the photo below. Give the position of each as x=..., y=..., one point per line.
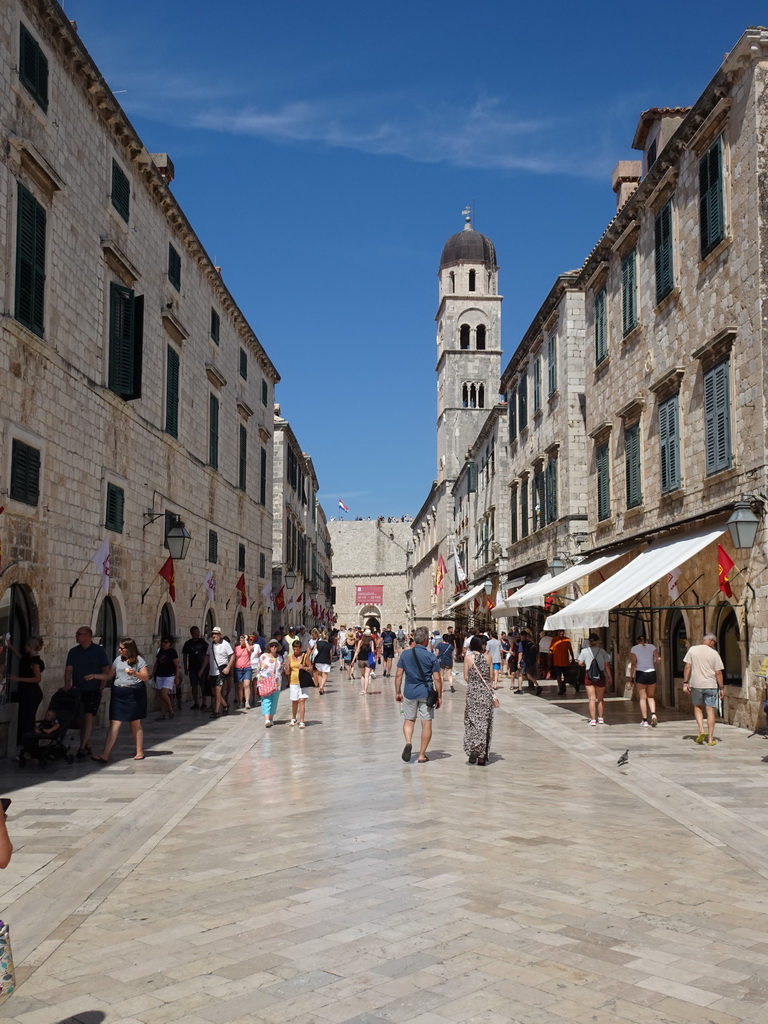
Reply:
x=196, y=593
x=79, y=577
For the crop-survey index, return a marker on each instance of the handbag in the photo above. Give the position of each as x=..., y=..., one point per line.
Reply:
x=267, y=683
x=7, y=972
x=371, y=660
x=305, y=677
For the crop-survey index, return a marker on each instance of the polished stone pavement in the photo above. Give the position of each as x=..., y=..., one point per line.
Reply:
x=239, y=874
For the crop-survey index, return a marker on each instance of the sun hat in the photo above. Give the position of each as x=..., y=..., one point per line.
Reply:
x=215, y=630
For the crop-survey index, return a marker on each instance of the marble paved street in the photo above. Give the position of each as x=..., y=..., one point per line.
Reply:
x=311, y=877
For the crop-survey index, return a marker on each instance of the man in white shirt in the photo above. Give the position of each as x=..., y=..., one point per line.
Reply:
x=643, y=661
x=221, y=661
x=703, y=677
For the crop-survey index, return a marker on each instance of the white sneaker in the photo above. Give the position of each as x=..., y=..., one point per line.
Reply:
x=267, y=724
x=247, y=706
x=644, y=724
x=592, y=721
x=302, y=726
x=293, y=721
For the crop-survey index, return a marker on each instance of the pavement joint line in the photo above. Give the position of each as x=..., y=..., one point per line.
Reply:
x=43, y=908
x=720, y=820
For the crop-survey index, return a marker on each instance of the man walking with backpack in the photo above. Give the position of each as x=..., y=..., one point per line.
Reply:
x=422, y=675
x=597, y=663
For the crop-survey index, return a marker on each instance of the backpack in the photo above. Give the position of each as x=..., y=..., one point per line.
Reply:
x=593, y=672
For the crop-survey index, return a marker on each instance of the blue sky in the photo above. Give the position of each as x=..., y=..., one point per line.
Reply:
x=324, y=153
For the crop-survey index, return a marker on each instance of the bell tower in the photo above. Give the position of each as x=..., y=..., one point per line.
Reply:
x=468, y=344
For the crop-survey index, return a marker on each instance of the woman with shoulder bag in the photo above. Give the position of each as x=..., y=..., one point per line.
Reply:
x=363, y=656
x=296, y=664
x=322, y=661
x=478, y=710
x=128, y=700
x=269, y=672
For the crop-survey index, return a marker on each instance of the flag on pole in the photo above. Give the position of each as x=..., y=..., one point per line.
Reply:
x=476, y=605
x=168, y=575
x=280, y=599
x=673, y=578
x=460, y=574
x=342, y=506
x=101, y=561
x=269, y=597
x=210, y=585
x=724, y=565
x=440, y=574
x=488, y=602
x=240, y=585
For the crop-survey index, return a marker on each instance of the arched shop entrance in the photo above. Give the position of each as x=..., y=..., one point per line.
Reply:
x=18, y=617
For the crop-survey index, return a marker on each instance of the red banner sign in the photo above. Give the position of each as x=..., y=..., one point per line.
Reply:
x=369, y=594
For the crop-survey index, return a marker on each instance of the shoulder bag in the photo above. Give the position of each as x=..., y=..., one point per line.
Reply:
x=432, y=694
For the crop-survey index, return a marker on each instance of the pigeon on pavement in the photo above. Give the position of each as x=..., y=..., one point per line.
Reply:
x=624, y=759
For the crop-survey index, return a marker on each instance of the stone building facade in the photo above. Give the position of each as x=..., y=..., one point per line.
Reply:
x=370, y=554
x=301, y=557
x=135, y=390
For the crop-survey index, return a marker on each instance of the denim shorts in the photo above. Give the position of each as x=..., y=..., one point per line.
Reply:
x=241, y=674
x=707, y=697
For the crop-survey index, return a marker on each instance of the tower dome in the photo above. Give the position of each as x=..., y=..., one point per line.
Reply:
x=469, y=246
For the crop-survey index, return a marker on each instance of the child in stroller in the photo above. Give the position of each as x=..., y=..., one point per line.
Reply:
x=48, y=741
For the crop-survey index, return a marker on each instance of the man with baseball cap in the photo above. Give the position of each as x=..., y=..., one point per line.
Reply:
x=221, y=659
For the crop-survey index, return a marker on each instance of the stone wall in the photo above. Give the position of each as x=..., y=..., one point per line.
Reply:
x=370, y=552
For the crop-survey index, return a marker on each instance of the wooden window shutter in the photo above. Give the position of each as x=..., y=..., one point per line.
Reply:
x=263, y=478
x=537, y=384
x=124, y=343
x=172, y=393
x=243, y=364
x=215, y=326
x=513, y=515
x=669, y=445
x=603, y=483
x=113, y=520
x=524, y=510
x=241, y=557
x=33, y=67
x=30, y=262
x=242, y=474
x=471, y=478
x=552, y=363
x=512, y=414
x=522, y=403
x=25, y=473
x=551, y=490
x=213, y=546
x=663, y=251
x=121, y=191
x=711, y=204
x=629, y=292
x=174, y=267
x=213, y=432
x=601, y=327
x=717, y=425
x=632, y=462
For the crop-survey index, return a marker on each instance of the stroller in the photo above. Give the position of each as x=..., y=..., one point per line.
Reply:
x=68, y=708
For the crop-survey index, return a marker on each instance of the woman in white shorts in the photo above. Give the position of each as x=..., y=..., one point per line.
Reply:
x=322, y=662
x=166, y=674
x=296, y=661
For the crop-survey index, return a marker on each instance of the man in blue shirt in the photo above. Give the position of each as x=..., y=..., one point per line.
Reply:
x=85, y=663
x=422, y=672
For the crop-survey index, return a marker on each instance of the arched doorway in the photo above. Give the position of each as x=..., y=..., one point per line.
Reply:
x=18, y=616
x=678, y=647
x=209, y=624
x=370, y=616
x=728, y=645
x=106, y=627
x=239, y=627
x=166, y=625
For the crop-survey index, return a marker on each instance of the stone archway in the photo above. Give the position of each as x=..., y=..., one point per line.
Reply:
x=370, y=615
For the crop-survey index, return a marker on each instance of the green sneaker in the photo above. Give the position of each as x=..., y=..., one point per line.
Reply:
x=701, y=737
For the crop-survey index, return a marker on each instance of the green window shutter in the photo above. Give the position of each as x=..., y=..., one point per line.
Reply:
x=472, y=478
x=241, y=557
x=264, y=393
x=665, y=280
x=174, y=267
x=551, y=490
x=263, y=478
x=669, y=445
x=213, y=546
x=601, y=327
x=522, y=403
x=262, y=565
x=121, y=191
x=512, y=414
x=537, y=384
x=121, y=355
x=215, y=326
x=632, y=462
x=552, y=364
x=242, y=473
x=25, y=473
x=717, y=417
x=513, y=515
x=113, y=519
x=524, y=509
x=629, y=292
x=213, y=432
x=30, y=262
x=711, y=200
x=172, y=393
x=243, y=364
x=33, y=68
x=603, y=483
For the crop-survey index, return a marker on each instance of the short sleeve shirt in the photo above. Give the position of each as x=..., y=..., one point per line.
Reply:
x=87, y=661
x=444, y=652
x=195, y=651
x=165, y=663
x=704, y=662
x=219, y=655
x=590, y=654
x=121, y=672
x=418, y=664
x=644, y=657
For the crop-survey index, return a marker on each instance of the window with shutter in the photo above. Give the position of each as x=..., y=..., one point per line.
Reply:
x=213, y=432
x=241, y=557
x=172, y=393
x=551, y=491
x=665, y=280
x=213, y=546
x=263, y=478
x=215, y=326
x=243, y=364
x=632, y=462
x=512, y=414
x=717, y=417
x=472, y=478
x=126, y=315
x=33, y=68
x=262, y=565
x=25, y=473
x=601, y=327
x=524, y=526
x=121, y=191
x=711, y=197
x=513, y=514
x=522, y=403
x=242, y=461
x=552, y=364
x=30, y=262
x=603, y=483
x=113, y=519
x=629, y=292
x=174, y=267
x=537, y=384
x=669, y=445
x=264, y=393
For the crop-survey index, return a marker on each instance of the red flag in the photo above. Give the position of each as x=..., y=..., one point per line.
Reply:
x=476, y=605
x=488, y=602
x=724, y=566
x=440, y=572
x=280, y=599
x=240, y=585
x=168, y=575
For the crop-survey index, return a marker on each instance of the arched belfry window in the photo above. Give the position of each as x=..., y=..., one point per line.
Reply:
x=472, y=280
x=465, y=397
x=452, y=281
x=472, y=396
x=480, y=337
x=481, y=396
x=464, y=335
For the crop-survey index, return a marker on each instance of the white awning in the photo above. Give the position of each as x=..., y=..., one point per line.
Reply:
x=466, y=596
x=532, y=595
x=503, y=607
x=647, y=568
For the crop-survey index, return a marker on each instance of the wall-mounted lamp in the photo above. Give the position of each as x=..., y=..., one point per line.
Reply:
x=177, y=536
x=556, y=566
x=743, y=524
x=290, y=579
x=488, y=586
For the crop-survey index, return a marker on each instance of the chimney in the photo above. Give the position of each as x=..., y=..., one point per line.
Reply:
x=625, y=179
x=164, y=164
